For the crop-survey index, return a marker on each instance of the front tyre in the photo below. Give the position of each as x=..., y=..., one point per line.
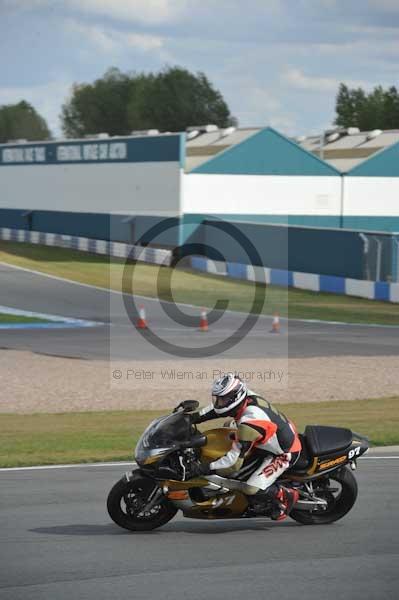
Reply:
x=126, y=505
x=341, y=494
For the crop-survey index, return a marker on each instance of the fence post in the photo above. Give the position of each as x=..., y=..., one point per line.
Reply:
x=378, y=260
x=365, y=255
x=395, y=257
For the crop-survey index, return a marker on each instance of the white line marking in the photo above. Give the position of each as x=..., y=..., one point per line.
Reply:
x=99, y=288
x=378, y=457
x=148, y=298
x=48, y=317
x=124, y=464
x=77, y=466
x=95, y=287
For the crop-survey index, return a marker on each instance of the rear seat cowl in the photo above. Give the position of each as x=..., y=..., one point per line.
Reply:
x=322, y=439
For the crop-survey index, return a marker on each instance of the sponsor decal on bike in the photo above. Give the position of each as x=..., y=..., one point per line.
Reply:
x=332, y=463
x=224, y=501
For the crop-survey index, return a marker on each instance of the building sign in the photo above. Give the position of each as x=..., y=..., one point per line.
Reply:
x=30, y=154
x=152, y=149
x=92, y=152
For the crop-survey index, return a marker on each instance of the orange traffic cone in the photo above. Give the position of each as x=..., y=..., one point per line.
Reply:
x=203, y=321
x=275, y=324
x=141, y=322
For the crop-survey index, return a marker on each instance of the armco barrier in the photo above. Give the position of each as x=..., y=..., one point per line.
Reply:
x=117, y=249
x=373, y=290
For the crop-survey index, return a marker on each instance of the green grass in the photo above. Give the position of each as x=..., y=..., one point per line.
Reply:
x=197, y=289
x=107, y=436
x=9, y=318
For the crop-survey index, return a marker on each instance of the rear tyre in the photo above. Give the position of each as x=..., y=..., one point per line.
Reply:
x=126, y=502
x=339, y=504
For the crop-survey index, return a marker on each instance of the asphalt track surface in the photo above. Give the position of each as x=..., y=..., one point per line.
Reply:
x=116, y=337
x=57, y=542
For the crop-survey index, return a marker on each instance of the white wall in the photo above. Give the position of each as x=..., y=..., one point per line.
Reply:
x=371, y=196
x=136, y=188
x=261, y=194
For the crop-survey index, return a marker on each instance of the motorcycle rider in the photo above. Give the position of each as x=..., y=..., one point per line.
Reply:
x=261, y=430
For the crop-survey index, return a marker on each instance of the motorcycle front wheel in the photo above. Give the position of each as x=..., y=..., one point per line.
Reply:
x=126, y=505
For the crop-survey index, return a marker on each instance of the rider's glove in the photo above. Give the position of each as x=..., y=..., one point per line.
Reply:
x=198, y=469
x=186, y=406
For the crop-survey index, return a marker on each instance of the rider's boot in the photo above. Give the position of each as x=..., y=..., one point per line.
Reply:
x=284, y=500
x=276, y=502
x=262, y=502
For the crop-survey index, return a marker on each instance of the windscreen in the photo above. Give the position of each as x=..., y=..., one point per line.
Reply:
x=167, y=431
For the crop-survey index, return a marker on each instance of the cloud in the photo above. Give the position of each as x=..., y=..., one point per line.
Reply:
x=148, y=12
x=273, y=61
x=94, y=34
x=144, y=42
x=264, y=108
x=23, y=5
x=145, y=12
x=390, y=6
x=111, y=40
x=297, y=79
x=46, y=98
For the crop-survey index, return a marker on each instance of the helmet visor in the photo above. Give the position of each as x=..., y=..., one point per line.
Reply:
x=223, y=401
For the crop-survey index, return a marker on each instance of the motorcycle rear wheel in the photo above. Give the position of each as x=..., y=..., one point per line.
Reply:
x=338, y=506
x=125, y=500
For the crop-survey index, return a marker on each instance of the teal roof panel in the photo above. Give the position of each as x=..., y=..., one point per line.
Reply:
x=267, y=152
x=384, y=163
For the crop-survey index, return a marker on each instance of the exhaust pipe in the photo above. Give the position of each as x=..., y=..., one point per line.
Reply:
x=310, y=505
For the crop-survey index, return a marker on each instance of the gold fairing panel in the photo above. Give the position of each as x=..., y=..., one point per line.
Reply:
x=329, y=461
x=219, y=442
x=150, y=460
x=227, y=506
x=333, y=462
x=313, y=468
x=173, y=484
x=320, y=466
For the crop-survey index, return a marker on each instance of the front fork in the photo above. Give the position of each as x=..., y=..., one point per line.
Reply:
x=154, y=497
x=155, y=494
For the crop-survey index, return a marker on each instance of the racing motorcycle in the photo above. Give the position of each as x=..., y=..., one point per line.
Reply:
x=160, y=485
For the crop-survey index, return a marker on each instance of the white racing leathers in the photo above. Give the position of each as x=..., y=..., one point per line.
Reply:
x=261, y=431
x=269, y=471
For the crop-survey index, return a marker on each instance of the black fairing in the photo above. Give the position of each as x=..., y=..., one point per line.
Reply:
x=323, y=440
x=169, y=431
x=304, y=459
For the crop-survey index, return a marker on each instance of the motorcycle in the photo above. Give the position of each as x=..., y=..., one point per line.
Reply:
x=150, y=495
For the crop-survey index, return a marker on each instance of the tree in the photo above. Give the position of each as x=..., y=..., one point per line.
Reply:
x=378, y=109
x=391, y=106
x=175, y=98
x=119, y=103
x=98, y=107
x=21, y=121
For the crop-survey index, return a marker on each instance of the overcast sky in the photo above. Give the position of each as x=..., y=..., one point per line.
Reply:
x=277, y=62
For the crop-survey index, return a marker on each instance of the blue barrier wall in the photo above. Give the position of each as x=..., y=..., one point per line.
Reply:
x=327, y=251
x=100, y=226
x=372, y=290
x=13, y=218
x=309, y=250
